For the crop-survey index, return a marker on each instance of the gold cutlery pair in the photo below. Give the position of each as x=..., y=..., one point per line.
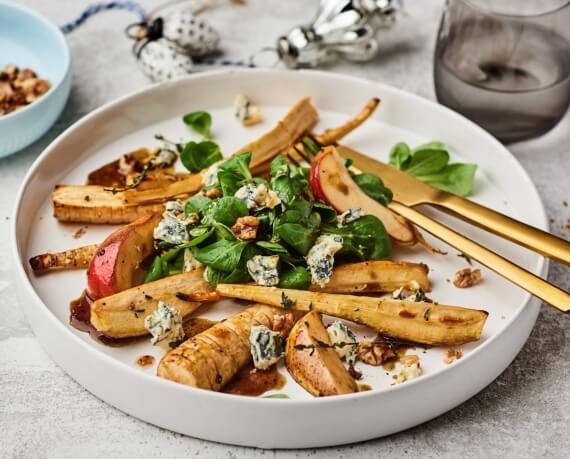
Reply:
x=410, y=192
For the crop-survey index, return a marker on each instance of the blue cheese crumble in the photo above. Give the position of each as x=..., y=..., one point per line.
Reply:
x=210, y=175
x=164, y=324
x=257, y=196
x=245, y=112
x=190, y=263
x=171, y=230
x=263, y=270
x=349, y=216
x=320, y=258
x=266, y=346
x=344, y=341
x=165, y=157
x=174, y=207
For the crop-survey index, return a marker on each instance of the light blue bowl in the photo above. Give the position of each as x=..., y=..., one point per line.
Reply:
x=28, y=40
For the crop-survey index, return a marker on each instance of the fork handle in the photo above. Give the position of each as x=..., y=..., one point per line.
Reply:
x=518, y=232
x=505, y=268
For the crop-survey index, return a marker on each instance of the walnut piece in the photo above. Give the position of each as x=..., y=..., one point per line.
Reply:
x=245, y=228
x=214, y=193
x=19, y=87
x=467, y=277
x=283, y=323
x=375, y=352
x=451, y=355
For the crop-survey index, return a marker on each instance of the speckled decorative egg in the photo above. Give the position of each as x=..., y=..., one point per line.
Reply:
x=163, y=60
x=191, y=33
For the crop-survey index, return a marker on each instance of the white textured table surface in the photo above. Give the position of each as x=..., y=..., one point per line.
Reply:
x=44, y=413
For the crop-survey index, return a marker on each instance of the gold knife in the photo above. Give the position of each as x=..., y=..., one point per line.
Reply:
x=410, y=191
x=401, y=181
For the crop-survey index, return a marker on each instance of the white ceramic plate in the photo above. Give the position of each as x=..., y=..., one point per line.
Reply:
x=111, y=373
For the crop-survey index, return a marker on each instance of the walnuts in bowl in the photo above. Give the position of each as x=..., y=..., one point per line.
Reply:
x=19, y=87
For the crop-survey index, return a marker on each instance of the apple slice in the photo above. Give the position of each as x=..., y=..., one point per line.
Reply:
x=313, y=365
x=111, y=269
x=332, y=184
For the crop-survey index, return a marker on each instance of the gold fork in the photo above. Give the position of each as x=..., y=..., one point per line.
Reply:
x=533, y=284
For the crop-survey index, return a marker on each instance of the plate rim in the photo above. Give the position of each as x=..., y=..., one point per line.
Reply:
x=540, y=267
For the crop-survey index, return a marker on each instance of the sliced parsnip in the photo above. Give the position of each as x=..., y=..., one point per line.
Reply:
x=212, y=358
x=376, y=276
x=313, y=365
x=122, y=315
x=92, y=204
x=330, y=136
x=419, y=322
x=68, y=259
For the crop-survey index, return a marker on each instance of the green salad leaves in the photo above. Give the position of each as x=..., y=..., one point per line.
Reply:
x=286, y=228
x=200, y=122
x=430, y=163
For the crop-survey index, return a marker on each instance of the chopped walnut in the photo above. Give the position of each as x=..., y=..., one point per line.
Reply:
x=214, y=193
x=19, y=88
x=375, y=352
x=467, y=277
x=79, y=232
x=451, y=355
x=283, y=323
x=245, y=228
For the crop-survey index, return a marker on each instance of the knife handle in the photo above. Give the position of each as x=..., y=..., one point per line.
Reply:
x=518, y=232
x=505, y=268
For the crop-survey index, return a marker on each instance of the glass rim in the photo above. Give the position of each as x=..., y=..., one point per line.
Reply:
x=490, y=11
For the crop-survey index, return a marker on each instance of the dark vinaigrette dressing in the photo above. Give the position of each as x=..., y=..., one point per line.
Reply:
x=254, y=383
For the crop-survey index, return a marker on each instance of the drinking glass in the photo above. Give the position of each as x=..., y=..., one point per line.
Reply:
x=505, y=64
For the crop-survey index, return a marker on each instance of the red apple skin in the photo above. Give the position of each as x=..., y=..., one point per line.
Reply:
x=111, y=269
x=314, y=174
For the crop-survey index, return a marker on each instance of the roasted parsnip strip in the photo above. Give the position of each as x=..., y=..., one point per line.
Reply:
x=376, y=276
x=68, y=259
x=122, y=315
x=299, y=120
x=333, y=135
x=418, y=322
x=189, y=185
x=92, y=204
x=212, y=358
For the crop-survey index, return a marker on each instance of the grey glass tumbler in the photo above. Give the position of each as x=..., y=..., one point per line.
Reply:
x=505, y=64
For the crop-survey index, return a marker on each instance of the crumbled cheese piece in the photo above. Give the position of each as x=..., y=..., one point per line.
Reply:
x=164, y=324
x=263, y=270
x=320, y=258
x=210, y=175
x=258, y=196
x=410, y=368
x=344, y=341
x=190, y=262
x=174, y=207
x=171, y=230
x=245, y=112
x=467, y=277
x=165, y=157
x=412, y=293
x=266, y=346
x=349, y=216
